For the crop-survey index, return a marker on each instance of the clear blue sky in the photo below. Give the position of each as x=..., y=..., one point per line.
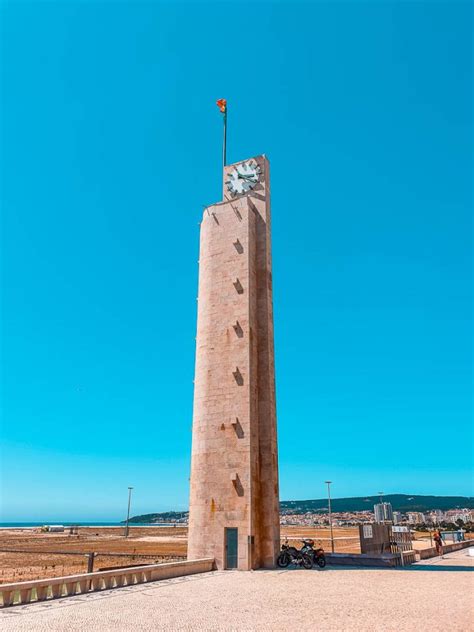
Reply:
x=111, y=146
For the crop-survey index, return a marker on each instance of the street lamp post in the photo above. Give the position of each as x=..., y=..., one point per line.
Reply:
x=128, y=511
x=328, y=483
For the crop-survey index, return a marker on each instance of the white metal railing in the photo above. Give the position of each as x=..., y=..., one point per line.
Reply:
x=55, y=587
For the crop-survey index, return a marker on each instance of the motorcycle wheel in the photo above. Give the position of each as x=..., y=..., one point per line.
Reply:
x=307, y=561
x=283, y=560
x=321, y=562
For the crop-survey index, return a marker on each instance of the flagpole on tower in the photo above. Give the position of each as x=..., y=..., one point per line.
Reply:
x=222, y=105
x=224, y=144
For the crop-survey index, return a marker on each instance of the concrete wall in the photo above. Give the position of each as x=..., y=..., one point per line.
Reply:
x=364, y=559
x=447, y=548
x=55, y=587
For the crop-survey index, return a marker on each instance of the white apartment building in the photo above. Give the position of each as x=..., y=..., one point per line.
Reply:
x=383, y=512
x=416, y=517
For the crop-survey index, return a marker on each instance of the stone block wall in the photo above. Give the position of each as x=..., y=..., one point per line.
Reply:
x=234, y=470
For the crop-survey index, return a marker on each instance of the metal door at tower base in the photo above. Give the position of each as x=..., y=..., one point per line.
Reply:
x=231, y=548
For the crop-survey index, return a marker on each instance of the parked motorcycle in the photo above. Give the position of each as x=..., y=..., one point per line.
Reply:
x=317, y=555
x=291, y=555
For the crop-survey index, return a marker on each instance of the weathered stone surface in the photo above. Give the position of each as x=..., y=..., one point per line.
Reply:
x=234, y=470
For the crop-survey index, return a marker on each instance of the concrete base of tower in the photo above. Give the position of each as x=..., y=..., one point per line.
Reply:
x=232, y=549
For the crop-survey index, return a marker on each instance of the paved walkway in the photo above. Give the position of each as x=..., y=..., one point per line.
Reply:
x=382, y=600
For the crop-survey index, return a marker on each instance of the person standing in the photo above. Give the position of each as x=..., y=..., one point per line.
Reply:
x=438, y=542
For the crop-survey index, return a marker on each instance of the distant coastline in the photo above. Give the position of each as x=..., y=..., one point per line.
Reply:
x=399, y=502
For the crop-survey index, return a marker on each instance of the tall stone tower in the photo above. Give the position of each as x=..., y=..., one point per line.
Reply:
x=234, y=504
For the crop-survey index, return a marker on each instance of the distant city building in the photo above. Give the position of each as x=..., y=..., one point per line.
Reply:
x=416, y=517
x=383, y=512
x=464, y=515
x=397, y=517
x=435, y=517
x=439, y=515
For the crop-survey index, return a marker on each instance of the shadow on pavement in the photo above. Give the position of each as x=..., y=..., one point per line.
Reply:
x=434, y=567
x=421, y=567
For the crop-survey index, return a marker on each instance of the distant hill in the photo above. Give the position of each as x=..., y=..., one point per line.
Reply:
x=167, y=516
x=400, y=502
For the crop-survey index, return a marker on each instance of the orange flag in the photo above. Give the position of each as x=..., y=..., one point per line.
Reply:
x=222, y=105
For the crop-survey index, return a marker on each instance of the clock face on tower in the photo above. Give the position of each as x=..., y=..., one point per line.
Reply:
x=243, y=178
